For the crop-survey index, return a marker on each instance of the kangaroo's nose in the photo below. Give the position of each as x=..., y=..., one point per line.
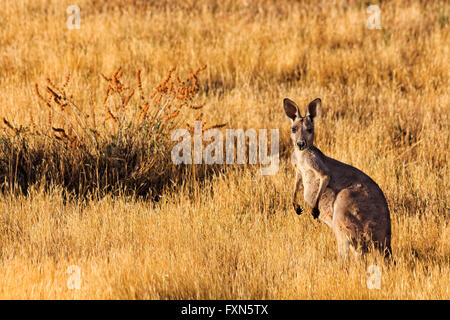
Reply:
x=301, y=144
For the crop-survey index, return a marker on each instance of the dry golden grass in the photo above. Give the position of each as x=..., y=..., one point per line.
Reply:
x=386, y=110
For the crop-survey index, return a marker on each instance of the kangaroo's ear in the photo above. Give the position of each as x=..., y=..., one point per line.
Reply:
x=291, y=109
x=314, y=108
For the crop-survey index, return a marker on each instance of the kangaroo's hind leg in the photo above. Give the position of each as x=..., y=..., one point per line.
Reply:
x=344, y=225
x=342, y=239
x=343, y=245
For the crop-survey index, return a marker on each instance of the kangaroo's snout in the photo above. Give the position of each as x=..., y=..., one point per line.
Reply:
x=301, y=144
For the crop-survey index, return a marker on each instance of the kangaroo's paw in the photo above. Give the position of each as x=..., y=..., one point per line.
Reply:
x=315, y=212
x=298, y=209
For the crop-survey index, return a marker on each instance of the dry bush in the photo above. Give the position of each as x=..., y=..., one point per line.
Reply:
x=126, y=150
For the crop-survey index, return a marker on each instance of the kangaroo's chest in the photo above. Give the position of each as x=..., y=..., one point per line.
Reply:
x=310, y=190
x=310, y=186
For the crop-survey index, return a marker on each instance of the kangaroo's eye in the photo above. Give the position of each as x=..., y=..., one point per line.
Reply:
x=294, y=130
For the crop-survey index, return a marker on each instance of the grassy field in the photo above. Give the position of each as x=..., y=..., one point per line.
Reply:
x=230, y=233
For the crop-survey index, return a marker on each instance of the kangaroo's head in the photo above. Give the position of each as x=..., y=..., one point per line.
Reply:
x=302, y=129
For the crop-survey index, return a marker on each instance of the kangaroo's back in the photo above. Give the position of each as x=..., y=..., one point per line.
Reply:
x=360, y=209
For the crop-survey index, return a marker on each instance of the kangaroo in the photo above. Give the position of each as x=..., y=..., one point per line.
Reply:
x=343, y=197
